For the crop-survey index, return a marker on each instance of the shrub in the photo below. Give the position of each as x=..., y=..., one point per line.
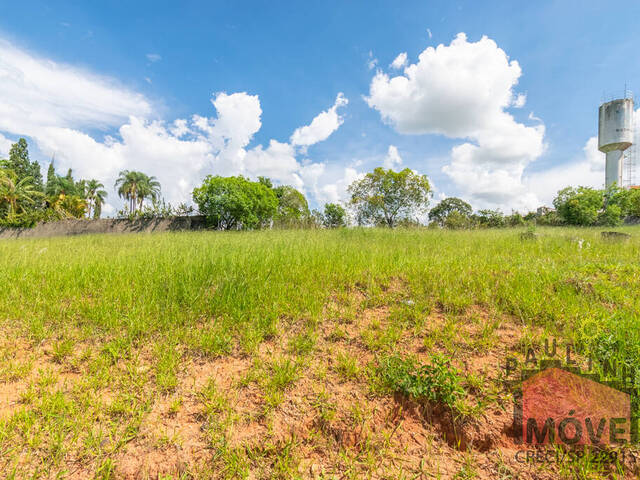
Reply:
x=437, y=382
x=489, y=219
x=579, y=206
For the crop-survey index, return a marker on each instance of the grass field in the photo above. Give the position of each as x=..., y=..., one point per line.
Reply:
x=285, y=354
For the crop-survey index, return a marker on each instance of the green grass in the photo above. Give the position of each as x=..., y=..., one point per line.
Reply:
x=100, y=329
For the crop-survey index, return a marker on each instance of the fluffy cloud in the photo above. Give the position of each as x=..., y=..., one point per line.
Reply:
x=322, y=126
x=463, y=90
x=400, y=61
x=587, y=170
x=37, y=92
x=57, y=105
x=336, y=191
x=277, y=161
x=393, y=159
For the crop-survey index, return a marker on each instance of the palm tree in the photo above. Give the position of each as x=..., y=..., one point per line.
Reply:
x=150, y=188
x=17, y=193
x=95, y=196
x=135, y=187
x=64, y=186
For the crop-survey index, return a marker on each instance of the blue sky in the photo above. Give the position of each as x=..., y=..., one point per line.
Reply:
x=161, y=62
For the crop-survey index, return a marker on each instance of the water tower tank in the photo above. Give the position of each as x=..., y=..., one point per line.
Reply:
x=615, y=135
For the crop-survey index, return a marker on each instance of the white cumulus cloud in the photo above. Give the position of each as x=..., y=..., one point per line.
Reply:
x=393, y=159
x=586, y=170
x=322, y=126
x=463, y=90
x=400, y=61
x=37, y=91
x=61, y=107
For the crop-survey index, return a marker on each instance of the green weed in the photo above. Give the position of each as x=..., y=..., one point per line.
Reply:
x=436, y=382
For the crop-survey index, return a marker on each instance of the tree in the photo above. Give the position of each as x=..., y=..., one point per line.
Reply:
x=579, y=206
x=292, y=205
x=611, y=216
x=51, y=180
x=384, y=196
x=22, y=166
x=456, y=220
x=489, y=218
x=18, y=194
x=63, y=186
x=95, y=196
x=515, y=220
x=149, y=188
x=266, y=181
x=633, y=203
x=316, y=219
x=235, y=202
x=334, y=216
x=135, y=187
x=67, y=206
x=440, y=212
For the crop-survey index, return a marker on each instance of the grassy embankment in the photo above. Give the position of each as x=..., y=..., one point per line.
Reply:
x=278, y=353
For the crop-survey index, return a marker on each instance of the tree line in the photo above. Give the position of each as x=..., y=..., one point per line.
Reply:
x=26, y=198
x=380, y=198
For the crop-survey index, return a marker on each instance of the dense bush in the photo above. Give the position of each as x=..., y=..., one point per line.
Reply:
x=235, y=202
x=334, y=216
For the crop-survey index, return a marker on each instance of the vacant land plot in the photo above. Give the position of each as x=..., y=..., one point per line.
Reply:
x=293, y=354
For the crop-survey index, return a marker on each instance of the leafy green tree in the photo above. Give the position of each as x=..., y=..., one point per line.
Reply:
x=51, y=180
x=383, y=197
x=316, y=219
x=456, y=220
x=64, y=186
x=489, y=218
x=266, y=181
x=579, y=206
x=633, y=203
x=515, y=220
x=611, y=216
x=235, y=202
x=334, y=216
x=22, y=166
x=292, y=205
x=67, y=206
x=440, y=212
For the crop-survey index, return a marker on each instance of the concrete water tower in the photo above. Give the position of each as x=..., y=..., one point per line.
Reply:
x=615, y=135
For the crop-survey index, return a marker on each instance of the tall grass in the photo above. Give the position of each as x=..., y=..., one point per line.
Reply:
x=247, y=284
x=126, y=311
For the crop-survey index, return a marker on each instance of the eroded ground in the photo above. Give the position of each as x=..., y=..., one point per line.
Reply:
x=302, y=404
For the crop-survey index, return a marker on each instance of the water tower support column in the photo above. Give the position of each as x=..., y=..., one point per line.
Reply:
x=613, y=172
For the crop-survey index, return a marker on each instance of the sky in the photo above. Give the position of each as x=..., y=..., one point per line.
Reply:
x=496, y=102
